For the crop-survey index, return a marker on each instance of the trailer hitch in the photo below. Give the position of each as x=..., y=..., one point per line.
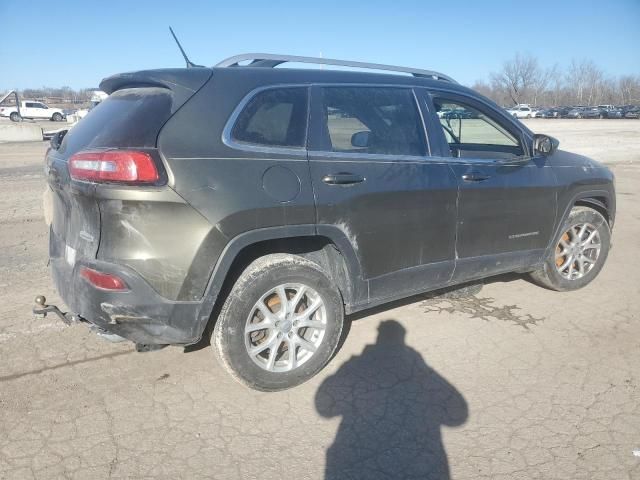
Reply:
x=41, y=309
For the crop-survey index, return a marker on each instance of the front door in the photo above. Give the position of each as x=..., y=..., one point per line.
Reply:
x=507, y=204
x=374, y=179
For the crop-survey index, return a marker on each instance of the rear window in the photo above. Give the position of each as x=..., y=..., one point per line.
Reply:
x=274, y=117
x=130, y=117
x=371, y=120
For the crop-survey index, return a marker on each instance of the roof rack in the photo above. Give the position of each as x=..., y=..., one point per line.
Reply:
x=268, y=60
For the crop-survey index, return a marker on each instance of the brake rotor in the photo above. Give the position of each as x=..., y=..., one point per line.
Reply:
x=562, y=259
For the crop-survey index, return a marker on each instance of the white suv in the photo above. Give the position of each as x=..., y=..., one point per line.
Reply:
x=521, y=111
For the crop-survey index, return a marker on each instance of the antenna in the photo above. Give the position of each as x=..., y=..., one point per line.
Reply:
x=190, y=64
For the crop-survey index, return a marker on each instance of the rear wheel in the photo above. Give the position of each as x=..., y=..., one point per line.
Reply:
x=280, y=324
x=579, y=254
x=15, y=117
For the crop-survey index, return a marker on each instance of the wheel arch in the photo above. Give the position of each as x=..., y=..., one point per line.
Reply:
x=328, y=246
x=599, y=200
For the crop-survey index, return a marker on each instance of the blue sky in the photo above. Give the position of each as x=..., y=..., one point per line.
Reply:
x=81, y=42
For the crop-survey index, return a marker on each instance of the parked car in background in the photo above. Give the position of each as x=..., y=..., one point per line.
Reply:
x=633, y=112
x=521, y=111
x=592, y=112
x=548, y=113
x=610, y=111
x=32, y=109
x=576, y=112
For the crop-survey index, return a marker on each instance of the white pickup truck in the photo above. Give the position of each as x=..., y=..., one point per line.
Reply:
x=32, y=109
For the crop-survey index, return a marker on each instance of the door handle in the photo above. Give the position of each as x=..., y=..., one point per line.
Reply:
x=475, y=177
x=342, y=179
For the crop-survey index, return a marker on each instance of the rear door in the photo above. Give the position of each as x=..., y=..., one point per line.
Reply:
x=40, y=110
x=374, y=179
x=28, y=110
x=507, y=203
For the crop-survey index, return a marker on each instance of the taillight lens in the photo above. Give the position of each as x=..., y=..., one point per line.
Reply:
x=104, y=281
x=122, y=166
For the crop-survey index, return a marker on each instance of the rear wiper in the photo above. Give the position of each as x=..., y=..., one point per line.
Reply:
x=190, y=64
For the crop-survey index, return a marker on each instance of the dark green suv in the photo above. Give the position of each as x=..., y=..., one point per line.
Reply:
x=268, y=202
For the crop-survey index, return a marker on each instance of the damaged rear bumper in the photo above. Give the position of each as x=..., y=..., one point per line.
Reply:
x=138, y=314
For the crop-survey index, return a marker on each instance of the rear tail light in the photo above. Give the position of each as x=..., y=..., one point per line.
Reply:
x=103, y=281
x=119, y=166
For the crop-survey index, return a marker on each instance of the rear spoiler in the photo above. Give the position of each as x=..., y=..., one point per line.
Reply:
x=182, y=82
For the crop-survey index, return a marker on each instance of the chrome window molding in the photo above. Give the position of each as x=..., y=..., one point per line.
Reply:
x=230, y=142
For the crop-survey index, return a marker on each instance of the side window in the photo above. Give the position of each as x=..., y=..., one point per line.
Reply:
x=468, y=129
x=274, y=117
x=373, y=120
x=30, y=105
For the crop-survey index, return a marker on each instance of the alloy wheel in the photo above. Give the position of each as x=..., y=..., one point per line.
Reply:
x=285, y=327
x=577, y=251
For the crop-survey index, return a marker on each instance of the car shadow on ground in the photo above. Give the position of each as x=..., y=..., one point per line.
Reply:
x=455, y=291
x=393, y=406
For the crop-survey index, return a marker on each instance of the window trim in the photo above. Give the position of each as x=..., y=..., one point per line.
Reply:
x=231, y=142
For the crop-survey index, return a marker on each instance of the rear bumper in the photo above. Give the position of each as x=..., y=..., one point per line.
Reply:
x=139, y=314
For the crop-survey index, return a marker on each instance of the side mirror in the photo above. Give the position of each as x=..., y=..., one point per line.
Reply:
x=57, y=138
x=544, y=144
x=361, y=139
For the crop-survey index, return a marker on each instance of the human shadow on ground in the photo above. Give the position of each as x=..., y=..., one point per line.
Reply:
x=393, y=406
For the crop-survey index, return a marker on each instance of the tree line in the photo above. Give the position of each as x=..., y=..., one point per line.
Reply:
x=522, y=79
x=61, y=95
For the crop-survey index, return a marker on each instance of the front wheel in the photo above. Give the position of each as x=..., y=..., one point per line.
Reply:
x=280, y=324
x=579, y=252
x=57, y=117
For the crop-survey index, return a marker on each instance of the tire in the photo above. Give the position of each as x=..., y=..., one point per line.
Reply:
x=256, y=286
x=15, y=117
x=56, y=117
x=528, y=116
x=550, y=275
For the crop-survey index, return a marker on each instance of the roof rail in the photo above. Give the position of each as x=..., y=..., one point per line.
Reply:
x=269, y=60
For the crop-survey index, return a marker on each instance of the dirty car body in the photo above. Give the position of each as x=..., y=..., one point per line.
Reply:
x=385, y=224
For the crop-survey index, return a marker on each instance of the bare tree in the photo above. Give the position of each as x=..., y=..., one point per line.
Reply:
x=629, y=89
x=523, y=80
x=518, y=77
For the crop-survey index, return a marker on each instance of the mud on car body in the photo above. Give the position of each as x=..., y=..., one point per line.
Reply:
x=269, y=202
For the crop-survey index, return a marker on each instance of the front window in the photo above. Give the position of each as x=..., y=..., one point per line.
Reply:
x=469, y=131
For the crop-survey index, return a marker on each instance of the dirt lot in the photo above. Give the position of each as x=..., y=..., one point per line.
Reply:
x=513, y=383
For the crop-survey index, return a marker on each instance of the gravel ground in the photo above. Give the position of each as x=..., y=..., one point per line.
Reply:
x=514, y=382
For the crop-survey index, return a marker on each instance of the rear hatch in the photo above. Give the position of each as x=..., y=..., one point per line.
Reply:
x=131, y=117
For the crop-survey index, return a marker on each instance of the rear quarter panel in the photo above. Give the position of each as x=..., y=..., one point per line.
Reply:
x=235, y=190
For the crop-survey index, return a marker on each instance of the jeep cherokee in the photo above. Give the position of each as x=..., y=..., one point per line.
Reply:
x=270, y=202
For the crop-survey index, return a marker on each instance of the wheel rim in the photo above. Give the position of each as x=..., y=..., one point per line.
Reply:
x=285, y=327
x=577, y=251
